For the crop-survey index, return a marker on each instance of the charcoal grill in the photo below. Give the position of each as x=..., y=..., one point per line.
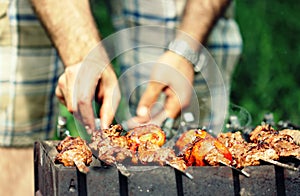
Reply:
x=54, y=179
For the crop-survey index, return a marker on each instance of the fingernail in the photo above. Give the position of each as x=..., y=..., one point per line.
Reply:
x=104, y=124
x=142, y=111
x=97, y=124
x=88, y=129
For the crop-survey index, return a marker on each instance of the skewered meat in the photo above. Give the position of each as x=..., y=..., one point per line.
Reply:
x=152, y=153
x=237, y=146
x=146, y=133
x=189, y=136
x=74, y=151
x=244, y=153
x=112, y=146
x=141, y=144
x=295, y=134
x=265, y=144
x=282, y=143
x=198, y=148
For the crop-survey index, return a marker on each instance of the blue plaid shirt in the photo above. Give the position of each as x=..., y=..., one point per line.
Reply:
x=29, y=68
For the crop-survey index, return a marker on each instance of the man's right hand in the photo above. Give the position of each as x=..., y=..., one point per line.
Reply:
x=77, y=87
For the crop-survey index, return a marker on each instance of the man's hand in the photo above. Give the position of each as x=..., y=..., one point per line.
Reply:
x=172, y=75
x=73, y=31
x=175, y=78
x=77, y=87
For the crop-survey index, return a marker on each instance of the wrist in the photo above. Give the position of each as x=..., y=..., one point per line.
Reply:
x=183, y=49
x=74, y=50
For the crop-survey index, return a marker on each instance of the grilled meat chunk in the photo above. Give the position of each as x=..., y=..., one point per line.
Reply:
x=141, y=144
x=74, y=151
x=281, y=142
x=295, y=134
x=152, y=153
x=265, y=144
x=198, y=148
x=146, y=133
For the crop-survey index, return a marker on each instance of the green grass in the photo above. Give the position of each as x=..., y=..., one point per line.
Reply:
x=266, y=79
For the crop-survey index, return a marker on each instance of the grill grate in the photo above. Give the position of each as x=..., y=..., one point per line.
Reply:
x=55, y=179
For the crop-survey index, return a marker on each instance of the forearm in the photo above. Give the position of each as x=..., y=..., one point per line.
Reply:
x=71, y=27
x=200, y=16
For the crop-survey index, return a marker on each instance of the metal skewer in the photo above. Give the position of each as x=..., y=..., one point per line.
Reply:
x=188, y=175
x=277, y=163
x=81, y=167
x=236, y=169
x=121, y=168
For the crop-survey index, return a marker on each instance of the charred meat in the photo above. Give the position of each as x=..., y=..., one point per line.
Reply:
x=198, y=148
x=142, y=145
x=265, y=144
x=281, y=142
x=74, y=151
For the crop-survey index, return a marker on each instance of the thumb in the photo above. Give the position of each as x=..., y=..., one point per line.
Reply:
x=149, y=97
x=173, y=105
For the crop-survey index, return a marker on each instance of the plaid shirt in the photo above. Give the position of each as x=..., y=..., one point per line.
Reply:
x=30, y=66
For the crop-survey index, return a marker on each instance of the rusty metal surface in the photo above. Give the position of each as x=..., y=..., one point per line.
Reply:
x=55, y=179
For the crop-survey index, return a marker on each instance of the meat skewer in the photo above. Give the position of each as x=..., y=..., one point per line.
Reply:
x=149, y=140
x=277, y=163
x=108, y=146
x=142, y=145
x=74, y=151
x=149, y=153
x=266, y=145
x=283, y=143
x=198, y=148
x=236, y=169
x=295, y=134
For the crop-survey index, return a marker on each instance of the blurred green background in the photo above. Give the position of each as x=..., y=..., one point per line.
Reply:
x=266, y=78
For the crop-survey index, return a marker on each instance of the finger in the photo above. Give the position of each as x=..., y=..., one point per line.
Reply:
x=149, y=97
x=109, y=106
x=171, y=109
x=137, y=121
x=84, y=108
x=85, y=115
x=70, y=76
x=60, y=95
x=59, y=90
x=81, y=93
x=159, y=118
x=173, y=105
